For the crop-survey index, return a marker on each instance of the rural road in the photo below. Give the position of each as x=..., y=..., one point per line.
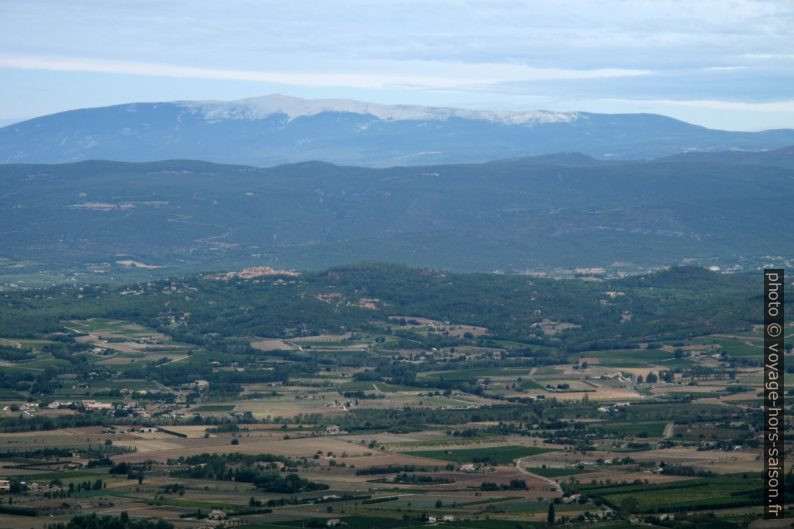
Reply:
x=668, y=430
x=551, y=482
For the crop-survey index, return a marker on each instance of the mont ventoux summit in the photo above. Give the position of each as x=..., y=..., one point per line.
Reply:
x=278, y=129
x=635, y=190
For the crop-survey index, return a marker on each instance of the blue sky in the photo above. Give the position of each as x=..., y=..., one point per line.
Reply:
x=722, y=63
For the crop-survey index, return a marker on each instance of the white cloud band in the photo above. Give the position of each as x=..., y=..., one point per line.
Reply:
x=448, y=76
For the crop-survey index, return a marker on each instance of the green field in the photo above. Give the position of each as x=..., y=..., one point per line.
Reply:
x=499, y=455
x=737, y=348
x=646, y=429
x=528, y=383
x=214, y=407
x=703, y=493
x=474, y=374
x=555, y=472
x=638, y=358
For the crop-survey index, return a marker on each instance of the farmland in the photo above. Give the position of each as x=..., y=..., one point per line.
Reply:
x=498, y=455
x=379, y=396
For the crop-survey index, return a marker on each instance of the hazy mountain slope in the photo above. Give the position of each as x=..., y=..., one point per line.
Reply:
x=776, y=158
x=278, y=129
x=553, y=211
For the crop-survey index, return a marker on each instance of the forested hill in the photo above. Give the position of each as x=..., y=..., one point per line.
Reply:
x=224, y=313
x=101, y=218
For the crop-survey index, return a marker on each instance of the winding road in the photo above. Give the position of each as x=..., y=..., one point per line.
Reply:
x=551, y=482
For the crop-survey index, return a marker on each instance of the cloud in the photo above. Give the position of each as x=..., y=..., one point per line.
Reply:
x=769, y=106
x=418, y=74
x=568, y=34
x=565, y=54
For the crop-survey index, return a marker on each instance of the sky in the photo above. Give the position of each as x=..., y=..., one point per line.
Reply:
x=722, y=63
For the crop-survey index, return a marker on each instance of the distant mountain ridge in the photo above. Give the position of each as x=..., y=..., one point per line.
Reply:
x=566, y=210
x=776, y=158
x=277, y=129
x=256, y=108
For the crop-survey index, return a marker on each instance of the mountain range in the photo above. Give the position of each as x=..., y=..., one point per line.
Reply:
x=277, y=129
x=567, y=210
